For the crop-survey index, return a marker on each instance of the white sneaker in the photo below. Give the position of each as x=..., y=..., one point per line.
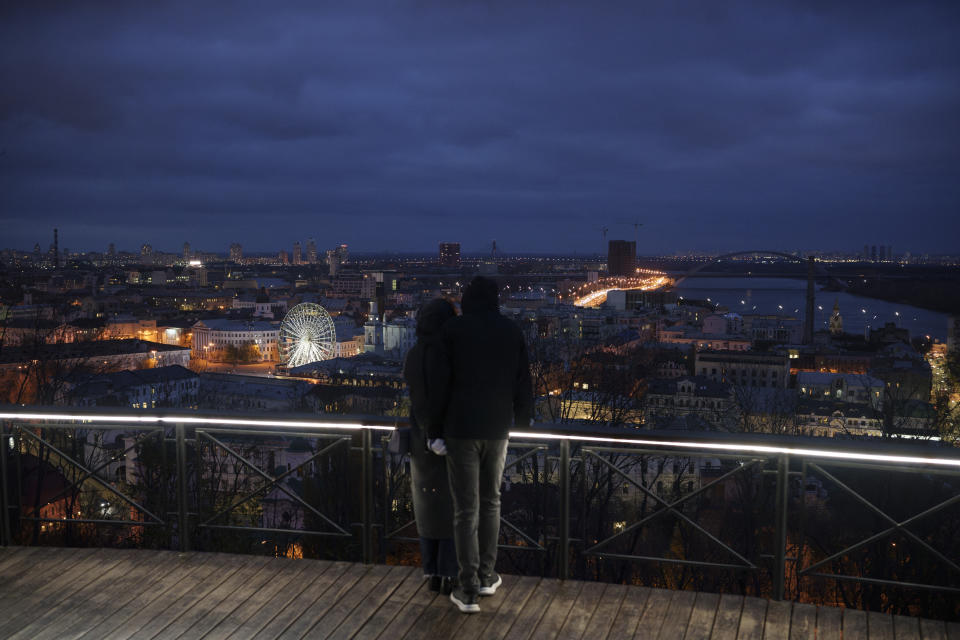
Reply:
x=488, y=585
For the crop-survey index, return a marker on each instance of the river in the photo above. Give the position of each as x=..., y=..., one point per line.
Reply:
x=783, y=295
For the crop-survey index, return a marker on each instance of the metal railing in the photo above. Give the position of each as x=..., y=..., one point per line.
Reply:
x=797, y=518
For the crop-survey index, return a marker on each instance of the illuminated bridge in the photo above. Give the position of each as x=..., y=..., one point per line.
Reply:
x=227, y=526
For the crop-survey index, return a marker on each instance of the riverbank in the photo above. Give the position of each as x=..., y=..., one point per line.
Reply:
x=940, y=294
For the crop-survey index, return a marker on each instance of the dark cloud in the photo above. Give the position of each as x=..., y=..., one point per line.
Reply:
x=391, y=125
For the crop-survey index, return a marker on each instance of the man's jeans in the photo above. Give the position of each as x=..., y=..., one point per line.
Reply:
x=475, y=468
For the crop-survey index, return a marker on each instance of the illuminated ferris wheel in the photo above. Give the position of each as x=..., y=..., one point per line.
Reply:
x=307, y=335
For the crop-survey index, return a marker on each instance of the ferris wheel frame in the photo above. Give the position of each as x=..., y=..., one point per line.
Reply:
x=307, y=334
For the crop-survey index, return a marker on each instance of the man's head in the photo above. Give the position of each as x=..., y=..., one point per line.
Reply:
x=480, y=295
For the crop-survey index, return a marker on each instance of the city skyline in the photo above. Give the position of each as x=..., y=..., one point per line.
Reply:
x=395, y=126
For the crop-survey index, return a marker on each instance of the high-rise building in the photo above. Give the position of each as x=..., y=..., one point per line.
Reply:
x=186, y=252
x=450, y=254
x=297, y=255
x=284, y=258
x=311, y=251
x=890, y=253
x=336, y=258
x=881, y=254
x=873, y=253
x=866, y=252
x=236, y=252
x=622, y=258
x=146, y=254
x=111, y=250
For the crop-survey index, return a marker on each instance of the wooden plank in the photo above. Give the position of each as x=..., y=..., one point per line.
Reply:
x=32, y=566
x=397, y=601
x=408, y=615
x=932, y=629
x=556, y=614
x=302, y=600
x=222, y=601
x=378, y=597
x=145, y=572
x=78, y=613
x=182, y=567
x=510, y=600
x=753, y=617
x=727, y=620
x=13, y=555
x=803, y=622
x=854, y=625
x=906, y=628
x=189, y=609
x=701, y=618
x=47, y=596
x=309, y=616
x=440, y=619
x=318, y=623
x=534, y=609
x=678, y=615
x=290, y=571
x=606, y=611
x=36, y=572
x=953, y=631
x=879, y=626
x=216, y=568
x=292, y=600
x=578, y=620
x=777, y=624
x=653, y=614
x=628, y=616
x=829, y=622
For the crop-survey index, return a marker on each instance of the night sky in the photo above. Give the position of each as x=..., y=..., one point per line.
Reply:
x=720, y=125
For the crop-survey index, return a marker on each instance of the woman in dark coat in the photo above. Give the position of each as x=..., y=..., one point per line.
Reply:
x=432, y=503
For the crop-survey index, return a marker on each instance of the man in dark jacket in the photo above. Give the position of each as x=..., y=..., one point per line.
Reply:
x=488, y=391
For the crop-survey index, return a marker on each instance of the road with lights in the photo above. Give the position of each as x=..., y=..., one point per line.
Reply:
x=595, y=294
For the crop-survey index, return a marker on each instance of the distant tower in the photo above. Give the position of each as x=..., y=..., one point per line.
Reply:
x=836, y=320
x=236, y=252
x=622, y=258
x=186, y=252
x=890, y=253
x=56, y=250
x=296, y=253
x=111, y=250
x=811, y=301
x=450, y=254
x=873, y=253
x=493, y=250
x=311, y=251
x=284, y=258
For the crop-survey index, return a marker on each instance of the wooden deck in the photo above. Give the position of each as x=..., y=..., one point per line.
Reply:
x=112, y=594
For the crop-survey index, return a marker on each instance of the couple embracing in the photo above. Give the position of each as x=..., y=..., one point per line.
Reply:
x=469, y=381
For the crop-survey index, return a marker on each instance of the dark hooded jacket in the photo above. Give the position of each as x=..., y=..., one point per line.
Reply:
x=432, y=504
x=486, y=373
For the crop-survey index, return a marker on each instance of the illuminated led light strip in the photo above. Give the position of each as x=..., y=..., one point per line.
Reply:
x=747, y=448
x=194, y=420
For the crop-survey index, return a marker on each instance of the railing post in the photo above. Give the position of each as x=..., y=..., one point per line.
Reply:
x=367, y=498
x=564, y=545
x=780, y=559
x=5, y=537
x=183, y=526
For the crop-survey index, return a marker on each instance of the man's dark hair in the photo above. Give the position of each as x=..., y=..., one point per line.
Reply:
x=482, y=294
